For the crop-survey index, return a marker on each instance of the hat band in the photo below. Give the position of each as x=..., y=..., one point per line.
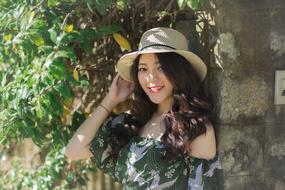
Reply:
x=157, y=45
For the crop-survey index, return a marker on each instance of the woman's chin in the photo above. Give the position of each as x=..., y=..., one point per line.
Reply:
x=156, y=100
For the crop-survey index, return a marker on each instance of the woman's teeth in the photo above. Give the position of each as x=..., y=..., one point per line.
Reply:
x=155, y=89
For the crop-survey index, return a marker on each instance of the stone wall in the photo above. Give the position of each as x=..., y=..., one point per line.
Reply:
x=251, y=47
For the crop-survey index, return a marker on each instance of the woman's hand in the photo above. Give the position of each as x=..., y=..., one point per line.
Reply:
x=120, y=89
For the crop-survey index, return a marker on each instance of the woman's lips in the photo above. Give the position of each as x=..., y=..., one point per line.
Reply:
x=155, y=89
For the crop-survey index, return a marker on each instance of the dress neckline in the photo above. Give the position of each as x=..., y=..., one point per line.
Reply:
x=160, y=143
x=147, y=138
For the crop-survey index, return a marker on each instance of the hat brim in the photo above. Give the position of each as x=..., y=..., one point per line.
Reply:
x=126, y=61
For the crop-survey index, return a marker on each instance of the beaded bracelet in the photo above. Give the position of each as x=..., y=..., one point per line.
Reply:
x=105, y=108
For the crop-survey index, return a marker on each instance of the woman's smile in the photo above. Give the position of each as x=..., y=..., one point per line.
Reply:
x=155, y=89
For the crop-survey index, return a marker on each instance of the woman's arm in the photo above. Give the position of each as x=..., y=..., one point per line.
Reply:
x=78, y=146
x=204, y=146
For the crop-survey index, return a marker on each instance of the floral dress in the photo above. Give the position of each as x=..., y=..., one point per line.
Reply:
x=139, y=164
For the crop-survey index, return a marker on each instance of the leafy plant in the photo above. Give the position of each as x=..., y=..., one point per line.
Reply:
x=38, y=70
x=52, y=50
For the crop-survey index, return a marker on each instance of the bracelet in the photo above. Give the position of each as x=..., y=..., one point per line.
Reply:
x=107, y=110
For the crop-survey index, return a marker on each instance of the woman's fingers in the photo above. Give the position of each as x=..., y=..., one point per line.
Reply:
x=121, y=88
x=116, y=79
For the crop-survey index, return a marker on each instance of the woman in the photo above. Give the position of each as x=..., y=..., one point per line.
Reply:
x=167, y=141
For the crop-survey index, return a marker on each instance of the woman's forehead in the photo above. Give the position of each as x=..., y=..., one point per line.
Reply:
x=148, y=58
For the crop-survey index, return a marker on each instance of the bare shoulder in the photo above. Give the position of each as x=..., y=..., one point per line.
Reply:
x=204, y=146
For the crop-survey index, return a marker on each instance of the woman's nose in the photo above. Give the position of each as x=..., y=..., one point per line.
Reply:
x=153, y=75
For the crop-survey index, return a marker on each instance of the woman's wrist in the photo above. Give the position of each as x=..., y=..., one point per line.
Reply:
x=108, y=103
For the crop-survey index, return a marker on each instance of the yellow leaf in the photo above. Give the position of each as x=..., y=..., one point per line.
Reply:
x=66, y=110
x=66, y=116
x=68, y=102
x=123, y=42
x=75, y=74
x=8, y=37
x=69, y=28
x=37, y=39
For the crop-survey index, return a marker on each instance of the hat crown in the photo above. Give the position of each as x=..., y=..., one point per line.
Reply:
x=163, y=38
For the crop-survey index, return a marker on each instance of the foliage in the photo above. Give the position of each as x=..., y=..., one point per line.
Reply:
x=47, y=53
x=37, y=72
x=53, y=173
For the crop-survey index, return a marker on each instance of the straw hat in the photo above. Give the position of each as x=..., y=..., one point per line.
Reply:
x=160, y=40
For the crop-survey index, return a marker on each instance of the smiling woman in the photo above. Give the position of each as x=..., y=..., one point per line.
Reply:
x=167, y=141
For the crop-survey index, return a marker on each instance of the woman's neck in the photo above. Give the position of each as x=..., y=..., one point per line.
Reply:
x=164, y=106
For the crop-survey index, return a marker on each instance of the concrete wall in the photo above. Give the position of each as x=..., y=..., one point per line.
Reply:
x=252, y=129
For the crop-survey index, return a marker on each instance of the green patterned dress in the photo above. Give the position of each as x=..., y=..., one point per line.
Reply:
x=140, y=165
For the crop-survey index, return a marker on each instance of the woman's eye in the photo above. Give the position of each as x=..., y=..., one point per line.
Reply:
x=142, y=69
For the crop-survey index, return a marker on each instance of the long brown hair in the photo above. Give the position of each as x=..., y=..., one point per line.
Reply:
x=188, y=118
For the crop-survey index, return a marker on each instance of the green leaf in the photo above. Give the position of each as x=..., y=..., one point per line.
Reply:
x=37, y=39
x=87, y=46
x=89, y=4
x=102, y=6
x=66, y=53
x=63, y=90
x=39, y=110
x=194, y=4
x=108, y=30
x=65, y=136
x=38, y=137
x=29, y=47
x=53, y=35
x=55, y=104
x=70, y=37
x=47, y=49
x=121, y=4
x=3, y=79
x=48, y=80
x=58, y=70
x=89, y=33
x=182, y=3
x=53, y=3
x=88, y=37
x=19, y=11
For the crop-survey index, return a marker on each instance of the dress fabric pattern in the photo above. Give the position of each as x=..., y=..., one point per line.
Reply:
x=140, y=165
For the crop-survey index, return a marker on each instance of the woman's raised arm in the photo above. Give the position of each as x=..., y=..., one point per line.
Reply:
x=78, y=146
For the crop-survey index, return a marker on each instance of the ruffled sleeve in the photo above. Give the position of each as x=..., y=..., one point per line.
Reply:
x=205, y=174
x=213, y=173
x=101, y=148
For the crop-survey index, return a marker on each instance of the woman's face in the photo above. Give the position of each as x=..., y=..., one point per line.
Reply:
x=153, y=80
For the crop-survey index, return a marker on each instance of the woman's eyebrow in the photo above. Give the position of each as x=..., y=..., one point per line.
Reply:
x=141, y=63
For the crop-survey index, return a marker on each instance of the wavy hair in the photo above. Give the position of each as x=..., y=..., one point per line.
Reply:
x=188, y=118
